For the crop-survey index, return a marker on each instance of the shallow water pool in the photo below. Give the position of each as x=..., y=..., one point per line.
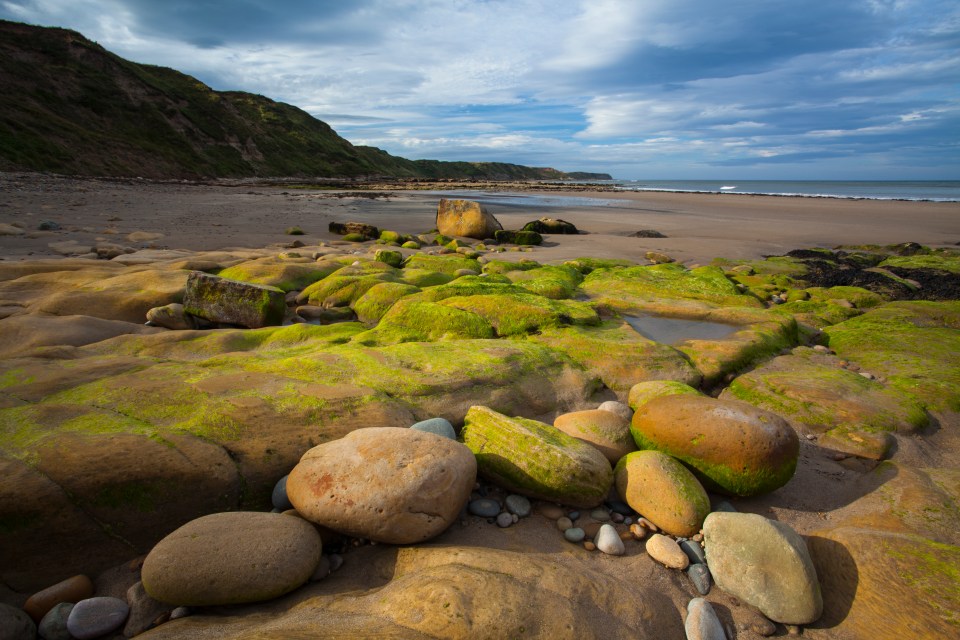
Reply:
x=673, y=330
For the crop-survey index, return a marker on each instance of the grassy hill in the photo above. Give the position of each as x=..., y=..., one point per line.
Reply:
x=70, y=106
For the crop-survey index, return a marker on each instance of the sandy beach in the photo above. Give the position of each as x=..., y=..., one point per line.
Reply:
x=698, y=227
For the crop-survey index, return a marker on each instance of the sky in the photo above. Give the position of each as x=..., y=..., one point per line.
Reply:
x=640, y=89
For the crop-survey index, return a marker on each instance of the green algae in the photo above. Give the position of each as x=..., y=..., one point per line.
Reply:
x=504, y=266
x=391, y=258
x=374, y=304
x=586, y=265
x=643, y=392
x=943, y=262
x=424, y=278
x=287, y=276
x=556, y=282
x=448, y=264
x=634, y=286
x=931, y=567
x=516, y=314
x=413, y=320
x=342, y=290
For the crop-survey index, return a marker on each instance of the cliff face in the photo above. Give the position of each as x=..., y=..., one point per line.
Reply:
x=70, y=106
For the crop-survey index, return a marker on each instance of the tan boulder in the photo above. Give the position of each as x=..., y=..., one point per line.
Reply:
x=465, y=218
x=232, y=558
x=733, y=447
x=386, y=484
x=662, y=490
x=608, y=432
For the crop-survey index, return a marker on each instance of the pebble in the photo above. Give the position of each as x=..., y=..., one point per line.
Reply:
x=144, y=610
x=628, y=521
x=616, y=517
x=54, y=624
x=638, y=532
x=70, y=590
x=16, y=624
x=322, y=570
x=622, y=508
x=698, y=537
x=694, y=551
x=725, y=506
x=793, y=630
x=574, y=515
x=619, y=408
x=438, y=426
x=515, y=518
x=504, y=520
x=702, y=622
x=574, y=534
x=279, y=497
x=589, y=546
x=609, y=541
x=756, y=622
x=95, y=617
x=550, y=511
x=643, y=522
x=699, y=574
x=667, y=552
x=518, y=505
x=336, y=561
x=485, y=508
x=180, y=612
x=600, y=515
x=868, y=376
x=564, y=523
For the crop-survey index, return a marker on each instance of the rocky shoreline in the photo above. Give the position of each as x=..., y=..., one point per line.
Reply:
x=481, y=440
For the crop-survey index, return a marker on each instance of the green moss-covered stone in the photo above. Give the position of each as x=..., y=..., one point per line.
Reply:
x=449, y=264
x=372, y=305
x=731, y=446
x=522, y=313
x=525, y=238
x=341, y=290
x=410, y=244
x=232, y=302
x=285, y=275
x=424, y=278
x=536, y=459
x=392, y=258
x=411, y=320
x=392, y=236
x=643, y=392
x=913, y=345
x=355, y=237
x=557, y=282
x=586, y=265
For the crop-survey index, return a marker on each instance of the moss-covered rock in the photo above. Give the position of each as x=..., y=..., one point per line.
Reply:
x=663, y=491
x=412, y=320
x=618, y=355
x=341, y=290
x=372, y=305
x=523, y=313
x=424, y=278
x=608, y=432
x=731, y=446
x=586, y=265
x=643, y=392
x=913, y=345
x=448, y=264
x=283, y=274
x=536, y=459
x=819, y=396
x=410, y=244
x=525, y=238
x=392, y=258
x=231, y=302
x=392, y=236
x=557, y=282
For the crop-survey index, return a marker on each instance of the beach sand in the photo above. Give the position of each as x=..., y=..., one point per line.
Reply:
x=699, y=227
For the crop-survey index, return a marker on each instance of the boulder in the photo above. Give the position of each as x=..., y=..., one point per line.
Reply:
x=551, y=225
x=663, y=491
x=232, y=558
x=170, y=316
x=732, y=447
x=764, y=563
x=386, y=484
x=466, y=219
x=643, y=392
x=608, y=432
x=232, y=302
x=367, y=231
x=657, y=257
x=518, y=237
x=536, y=459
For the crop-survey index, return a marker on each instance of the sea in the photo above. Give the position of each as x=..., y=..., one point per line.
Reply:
x=929, y=190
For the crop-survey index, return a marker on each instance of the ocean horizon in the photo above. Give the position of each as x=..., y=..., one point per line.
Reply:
x=919, y=190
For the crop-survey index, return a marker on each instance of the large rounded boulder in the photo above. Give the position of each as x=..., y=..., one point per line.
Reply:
x=733, y=447
x=466, y=219
x=232, y=558
x=386, y=484
x=662, y=490
x=536, y=459
x=608, y=432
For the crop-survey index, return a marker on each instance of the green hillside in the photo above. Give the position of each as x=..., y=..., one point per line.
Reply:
x=70, y=106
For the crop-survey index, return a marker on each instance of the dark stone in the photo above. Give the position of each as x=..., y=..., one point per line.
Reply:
x=231, y=302
x=144, y=611
x=279, y=496
x=518, y=237
x=95, y=617
x=647, y=233
x=484, y=507
x=15, y=623
x=48, y=225
x=345, y=228
x=551, y=225
x=694, y=551
x=54, y=624
x=699, y=574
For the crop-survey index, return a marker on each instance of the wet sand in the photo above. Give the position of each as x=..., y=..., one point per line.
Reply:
x=699, y=227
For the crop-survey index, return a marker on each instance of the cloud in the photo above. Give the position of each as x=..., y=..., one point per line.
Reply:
x=626, y=86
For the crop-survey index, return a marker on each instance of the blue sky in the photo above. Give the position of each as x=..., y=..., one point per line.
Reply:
x=641, y=89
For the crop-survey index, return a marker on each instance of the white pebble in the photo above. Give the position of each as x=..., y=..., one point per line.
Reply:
x=608, y=541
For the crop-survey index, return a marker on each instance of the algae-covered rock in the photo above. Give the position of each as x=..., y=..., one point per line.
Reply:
x=765, y=563
x=365, y=231
x=283, y=274
x=392, y=258
x=551, y=225
x=523, y=313
x=342, y=290
x=378, y=299
x=411, y=320
x=852, y=412
x=663, y=491
x=465, y=218
x=557, y=282
x=448, y=264
x=731, y=446
x=232, y=302
x=913, y=345
x=519, y=237
x=643, y=392
x=536, y=459
x=385, y=484
x=608, y=432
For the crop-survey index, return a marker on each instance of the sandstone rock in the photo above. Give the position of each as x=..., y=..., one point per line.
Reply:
x=465, y=218
x=366, y=231
x=764, y=563
x=606, y=431
x=733, y=447
x=231, y=558
x=702, y=622
x=384, y=483
x=667, y=552
x=643, y=392
x=233, y=302
x=95, y=617
x=536, y=459
x=662, y=490
x=551, y=225
x=171, y=316
x=72, y=589
x=15, y=624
